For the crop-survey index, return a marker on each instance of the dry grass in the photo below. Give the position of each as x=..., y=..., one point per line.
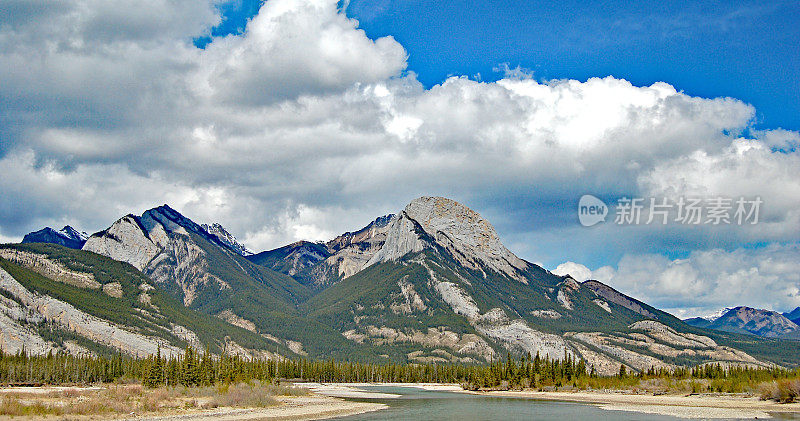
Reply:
x=133, y=398
x=784, y=391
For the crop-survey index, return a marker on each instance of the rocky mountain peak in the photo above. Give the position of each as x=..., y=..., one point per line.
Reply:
x=67, y=237
x=470, y=238
x=374, y=232
x=717, y=314
x=73, y=234
x=226, y=238
x=170, y=219
x=763, y=322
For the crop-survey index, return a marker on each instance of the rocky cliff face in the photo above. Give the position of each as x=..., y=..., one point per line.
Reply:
x=433, y=283
x=22, y=310
x=470, y=238
x=206, y=271
x=226, y=238
x=163, y=244
x=76, y=299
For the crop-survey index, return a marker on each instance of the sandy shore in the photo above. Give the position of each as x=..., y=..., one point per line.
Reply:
x=294, y=408
x=355, y=390
x=694, y=406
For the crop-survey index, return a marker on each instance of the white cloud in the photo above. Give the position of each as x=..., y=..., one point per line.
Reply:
x=577, y=271
x=303, y=127
x=708, y=280
x=745, y=168
x=296, y=47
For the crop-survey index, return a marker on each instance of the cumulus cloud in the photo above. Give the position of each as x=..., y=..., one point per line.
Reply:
x=296, y=47
x=577, y=271
x=746, y=167
x=707, y=280
x=302, y=127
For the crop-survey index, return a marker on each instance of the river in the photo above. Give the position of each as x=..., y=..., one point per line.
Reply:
x=419, y=404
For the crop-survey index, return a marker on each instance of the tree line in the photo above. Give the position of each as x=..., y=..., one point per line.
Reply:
x=195, y=368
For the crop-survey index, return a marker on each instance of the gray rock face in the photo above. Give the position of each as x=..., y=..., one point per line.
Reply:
x=127, y=241
x=496, y=324
x=350, y=252
x=49, y=269
x=401, y=239
x=16, y=335
x=470, y=238
x=322, y=264
x=29, y=308
x=610, y=294
x=159, y=244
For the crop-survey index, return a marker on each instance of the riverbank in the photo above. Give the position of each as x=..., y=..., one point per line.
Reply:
x=356, y=391
x=132, y=402
x=294, y=408
x=683, y=406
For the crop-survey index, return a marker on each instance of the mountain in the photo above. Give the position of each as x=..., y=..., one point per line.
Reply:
x=54, y=298
x=706, y=321
x=793, y=315
x=67, y=237
x=210, y=276
x=438, y=285
x=766, y=323
x=318, y=265
x=295, y=260
x=226, y=238
x=432, y=283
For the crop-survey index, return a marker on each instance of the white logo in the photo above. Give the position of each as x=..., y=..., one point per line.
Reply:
x=591, y=210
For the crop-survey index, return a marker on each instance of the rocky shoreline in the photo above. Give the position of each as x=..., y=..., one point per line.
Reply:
x=706, y=406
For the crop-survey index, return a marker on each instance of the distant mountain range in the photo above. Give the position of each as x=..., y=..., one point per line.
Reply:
x=793, y=315
x=68, y=237
x=431, y=283
x=747, y=320
x=318, y=265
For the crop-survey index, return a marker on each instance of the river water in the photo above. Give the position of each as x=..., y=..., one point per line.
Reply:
x=418, y=404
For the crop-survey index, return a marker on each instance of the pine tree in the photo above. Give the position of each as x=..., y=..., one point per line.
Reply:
x=155, y=373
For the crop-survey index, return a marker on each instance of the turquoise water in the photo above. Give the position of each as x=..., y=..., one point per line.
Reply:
x=417, y=404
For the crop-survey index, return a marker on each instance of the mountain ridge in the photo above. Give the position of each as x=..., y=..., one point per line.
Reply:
x=67, y=237
x=748, y=320
x=431, y=283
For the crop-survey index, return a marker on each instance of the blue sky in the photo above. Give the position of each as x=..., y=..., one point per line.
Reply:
x=746, y=49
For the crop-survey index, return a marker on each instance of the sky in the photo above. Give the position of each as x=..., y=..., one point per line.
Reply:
x=302, y=119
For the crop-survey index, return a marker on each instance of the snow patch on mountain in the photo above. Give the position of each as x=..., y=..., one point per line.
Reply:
x=717, y=314
x=73, y=234
x=226, y=238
